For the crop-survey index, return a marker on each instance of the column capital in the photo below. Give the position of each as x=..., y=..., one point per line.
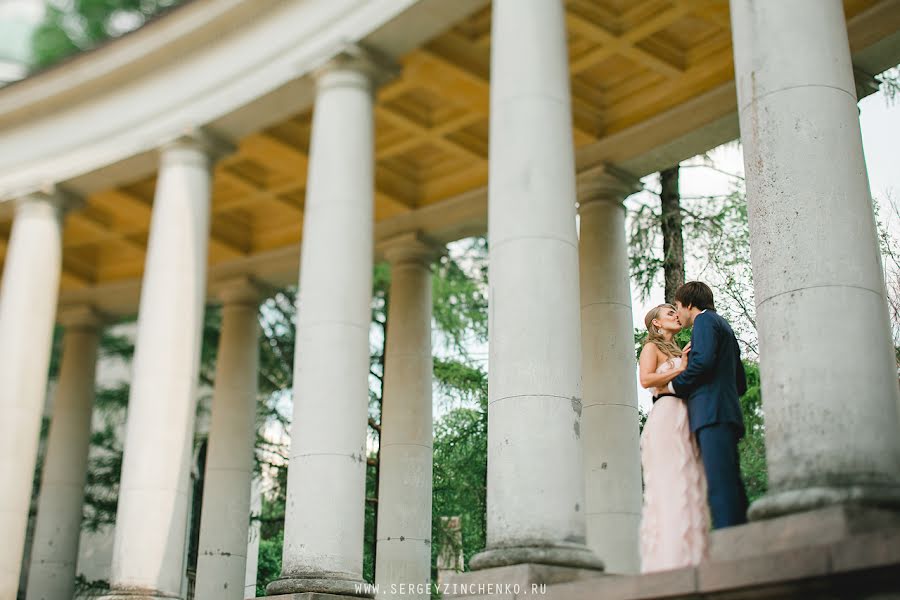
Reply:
x=61, y=199
x=607, y=183
x=412, y=247
x=376, y=66
x=242, y=289
x=212, y=145
x=80, y=316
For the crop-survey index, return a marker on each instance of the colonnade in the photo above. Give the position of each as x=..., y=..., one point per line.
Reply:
x=563, y=468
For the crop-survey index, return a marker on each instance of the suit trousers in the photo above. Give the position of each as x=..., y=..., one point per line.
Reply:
x=727, y=496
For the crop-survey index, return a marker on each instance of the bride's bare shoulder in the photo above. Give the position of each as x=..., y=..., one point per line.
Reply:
x=651, y=350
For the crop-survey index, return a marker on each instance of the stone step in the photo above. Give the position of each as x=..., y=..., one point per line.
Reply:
x=815, y=527
x=861, y=567
x=838, y=552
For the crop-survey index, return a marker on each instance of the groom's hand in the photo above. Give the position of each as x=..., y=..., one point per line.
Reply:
x=684, y=357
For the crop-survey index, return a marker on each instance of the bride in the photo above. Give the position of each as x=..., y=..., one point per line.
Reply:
x=675, y=517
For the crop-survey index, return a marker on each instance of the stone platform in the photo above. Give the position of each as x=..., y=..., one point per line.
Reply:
x=312, y=596
x=833, y=553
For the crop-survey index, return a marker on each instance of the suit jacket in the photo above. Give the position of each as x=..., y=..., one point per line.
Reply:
x=714, y=379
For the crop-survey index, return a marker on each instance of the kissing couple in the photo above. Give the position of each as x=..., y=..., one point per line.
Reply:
x=689, y=444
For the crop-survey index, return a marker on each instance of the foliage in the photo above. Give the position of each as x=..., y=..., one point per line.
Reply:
x=71, y=26
x=889, y=83
x=460, y=478
x=460, y=318
x=55, y=352
x=718, y=230
x=460, y=295
x=640, y=338
x=269, y=565
x=753, y=448
x=887, y=214
x=89, y=589
x=105, y=460
x=717, y=252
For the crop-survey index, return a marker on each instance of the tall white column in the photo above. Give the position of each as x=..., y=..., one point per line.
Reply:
x=323, y=530
x=251, y=572
x=403, y=549
x=54, y=552
x=535, y=467
x=829, y=382
x=225, y=520
x=610, y=422
x=28, y=299
x=148, y=551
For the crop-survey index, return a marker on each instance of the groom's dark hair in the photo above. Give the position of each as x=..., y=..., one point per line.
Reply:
x=696, y=294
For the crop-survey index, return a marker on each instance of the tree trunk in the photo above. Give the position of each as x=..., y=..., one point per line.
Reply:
x=673, y=243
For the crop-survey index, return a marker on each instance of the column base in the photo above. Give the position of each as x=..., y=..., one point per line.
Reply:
x=512, y=581
x=794, y=501
x=291, y=587
x=571, y=555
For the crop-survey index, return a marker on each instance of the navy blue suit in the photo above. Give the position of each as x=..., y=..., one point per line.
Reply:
x=712, y=385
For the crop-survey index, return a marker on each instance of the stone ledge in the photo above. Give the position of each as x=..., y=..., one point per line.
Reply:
x=763, y=570
x=861, y=566
x=800, y=530
x=523, y=576
x=311, y=596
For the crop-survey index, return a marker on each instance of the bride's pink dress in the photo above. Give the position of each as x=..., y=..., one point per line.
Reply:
x=675, y=518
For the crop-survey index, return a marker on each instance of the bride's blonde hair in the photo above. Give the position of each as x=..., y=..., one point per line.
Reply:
x=668, y=347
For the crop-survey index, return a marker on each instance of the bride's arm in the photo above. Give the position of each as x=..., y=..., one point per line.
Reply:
x=649, y=362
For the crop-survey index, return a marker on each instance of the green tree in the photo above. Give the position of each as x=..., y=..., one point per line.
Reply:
x=460, y=318
x=71, y=26
x=460, y=468
x=718, y=235
x=671, y=230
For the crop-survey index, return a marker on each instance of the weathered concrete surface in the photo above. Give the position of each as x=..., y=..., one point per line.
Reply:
x=323, y=528
x=860, y=567
x=507, y=582
x=54, y=552
x=27, y=306
x=311, y=596
x=612, y=461
x=799, y=530
x=535, y=465
x=831, y=424
x=842, y=564
x=405, y=468
x=225, y=520
x=151, y=521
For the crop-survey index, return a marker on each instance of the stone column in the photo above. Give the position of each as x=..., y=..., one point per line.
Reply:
x=225, y=520
x=148, y=552
x=28, y=298
x=323, y=531
x=54, y=553
x=610, y=422
x=829, y=382
x=251, y=571
x=535, y=467
x=405, y=479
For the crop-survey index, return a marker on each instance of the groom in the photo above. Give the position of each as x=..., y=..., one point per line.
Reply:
x=711, y=384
